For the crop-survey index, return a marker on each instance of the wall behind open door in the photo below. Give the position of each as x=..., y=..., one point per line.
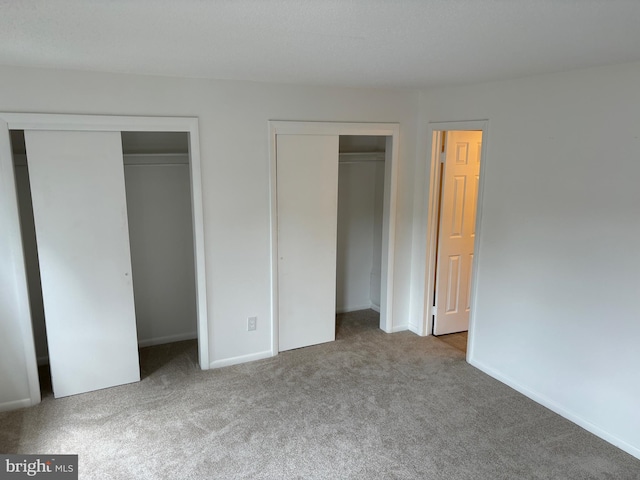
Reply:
x=162, y=255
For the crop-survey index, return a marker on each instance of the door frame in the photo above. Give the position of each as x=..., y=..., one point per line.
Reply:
x=109, y=123
x=390, y=130
x=435, y=141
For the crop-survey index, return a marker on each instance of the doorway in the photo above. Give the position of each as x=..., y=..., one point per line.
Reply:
x=455, y=189
x=156, y=174
x=459, y=175
x=361, y=170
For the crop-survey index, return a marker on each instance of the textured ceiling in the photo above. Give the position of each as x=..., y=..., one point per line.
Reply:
x=386, y=43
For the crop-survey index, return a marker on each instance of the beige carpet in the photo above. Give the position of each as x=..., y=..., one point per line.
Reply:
x=369, y=406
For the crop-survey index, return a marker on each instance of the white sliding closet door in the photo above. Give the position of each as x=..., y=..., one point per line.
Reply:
x=307, y=200
x=79, y=207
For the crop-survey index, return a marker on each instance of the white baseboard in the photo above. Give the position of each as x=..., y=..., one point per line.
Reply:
x=353, y=309
x=396, y=329
x=399, y=328
x=14, y=405
x=557, y=408
x=415, y=328
x=226, y=362
x=150, y=342
x=374, y=307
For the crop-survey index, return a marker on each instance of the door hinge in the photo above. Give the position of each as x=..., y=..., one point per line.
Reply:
x=443, y=157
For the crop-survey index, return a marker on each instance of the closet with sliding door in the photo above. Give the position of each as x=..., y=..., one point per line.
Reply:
x=107, y=231
x=333, y=223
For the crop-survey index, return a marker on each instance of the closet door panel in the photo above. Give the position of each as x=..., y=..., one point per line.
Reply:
x=79, y=206
x=307, y=199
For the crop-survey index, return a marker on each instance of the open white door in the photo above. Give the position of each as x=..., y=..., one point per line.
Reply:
x=307, y=201
x=457, y=231
x=79, y=206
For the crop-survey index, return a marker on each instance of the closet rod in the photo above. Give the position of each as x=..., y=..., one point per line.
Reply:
x=155, y=159
x=361, y=157
x=154, y=164
x=347, y=162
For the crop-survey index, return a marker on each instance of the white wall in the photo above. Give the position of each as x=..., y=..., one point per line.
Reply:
x=558, y=281
x=235, y=164
x=161, y=239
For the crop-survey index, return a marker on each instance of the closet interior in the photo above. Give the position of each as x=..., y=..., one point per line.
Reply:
x=361, y=174
x=159, y=211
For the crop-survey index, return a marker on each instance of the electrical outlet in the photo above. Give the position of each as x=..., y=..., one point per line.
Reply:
x=252, y=323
